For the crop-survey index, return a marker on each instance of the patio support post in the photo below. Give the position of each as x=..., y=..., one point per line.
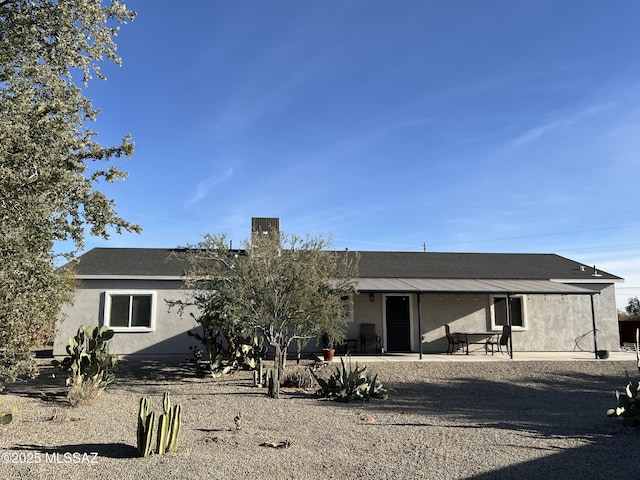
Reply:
x=510, y=326
x=419, y=328
x=593, y=321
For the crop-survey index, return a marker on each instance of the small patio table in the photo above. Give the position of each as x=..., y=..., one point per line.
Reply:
x=351, y=345
x=477, y=334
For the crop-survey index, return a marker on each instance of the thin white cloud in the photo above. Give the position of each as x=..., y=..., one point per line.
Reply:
x=203, y=188
x=241, y=116
x=251, y=104
x=535, y=133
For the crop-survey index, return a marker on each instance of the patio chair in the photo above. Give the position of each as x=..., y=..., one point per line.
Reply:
x=368, y=336
x=456, y=341
x=503, y=341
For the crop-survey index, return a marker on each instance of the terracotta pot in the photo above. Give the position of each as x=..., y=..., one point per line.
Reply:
x=328, y=353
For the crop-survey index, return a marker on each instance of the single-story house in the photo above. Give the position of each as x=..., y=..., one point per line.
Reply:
x=551, y=302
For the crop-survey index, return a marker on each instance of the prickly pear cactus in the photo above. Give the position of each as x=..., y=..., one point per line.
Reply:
x=251, y=352
x=89, y=364
x=629, y=400
x=628, y=405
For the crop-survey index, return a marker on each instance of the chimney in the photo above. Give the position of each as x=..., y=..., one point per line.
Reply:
x=265, y=226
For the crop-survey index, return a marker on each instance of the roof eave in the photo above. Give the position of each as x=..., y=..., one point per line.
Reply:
x=131, y=277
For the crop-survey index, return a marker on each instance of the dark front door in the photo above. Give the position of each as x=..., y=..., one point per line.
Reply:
x=398, y=336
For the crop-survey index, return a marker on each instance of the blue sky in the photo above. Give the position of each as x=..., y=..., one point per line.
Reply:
x=473, y=126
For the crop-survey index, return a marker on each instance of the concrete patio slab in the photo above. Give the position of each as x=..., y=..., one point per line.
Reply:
x=481, y=357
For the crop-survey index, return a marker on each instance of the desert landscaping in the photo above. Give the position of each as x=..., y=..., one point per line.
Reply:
x=442, y=420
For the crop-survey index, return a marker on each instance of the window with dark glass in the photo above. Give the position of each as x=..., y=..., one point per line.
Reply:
x=128, y=311
x=500, y=311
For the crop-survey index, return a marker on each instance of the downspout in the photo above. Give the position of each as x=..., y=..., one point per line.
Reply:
x=593, y=321
x=419, y=327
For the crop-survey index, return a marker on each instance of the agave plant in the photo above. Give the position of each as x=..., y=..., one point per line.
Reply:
x=348, y=384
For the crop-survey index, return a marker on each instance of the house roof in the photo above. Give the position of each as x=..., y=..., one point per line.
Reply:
x=167, y=263
x=514, y=266
x=130, y=263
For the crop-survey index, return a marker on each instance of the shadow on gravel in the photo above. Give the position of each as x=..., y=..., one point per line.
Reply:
x=106, y=450
x=604, y=458
x=49, y=386
x=558, y=403
x=551, y=403
x=160, y=371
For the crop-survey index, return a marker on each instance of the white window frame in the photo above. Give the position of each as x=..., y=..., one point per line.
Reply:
x=131, y=293
x=523, y=304
x=347, y=304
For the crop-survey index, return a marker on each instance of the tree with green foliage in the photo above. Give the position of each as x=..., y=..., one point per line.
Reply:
x=633, y=309
x=283, y=286
x=49, y=51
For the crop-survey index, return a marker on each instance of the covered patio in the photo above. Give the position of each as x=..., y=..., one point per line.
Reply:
x=509, y=289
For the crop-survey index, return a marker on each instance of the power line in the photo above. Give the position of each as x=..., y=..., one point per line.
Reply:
x=537, y=235
x=439, y=245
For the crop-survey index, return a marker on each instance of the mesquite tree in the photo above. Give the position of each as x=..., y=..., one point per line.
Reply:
x=49, y=50
x=284, y=286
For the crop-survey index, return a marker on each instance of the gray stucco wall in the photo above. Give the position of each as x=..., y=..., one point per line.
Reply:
x=168, y=338
x=564, y=323
x=553, y=322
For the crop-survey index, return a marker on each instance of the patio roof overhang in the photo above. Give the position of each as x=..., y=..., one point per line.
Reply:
x=448, y=285
x=475, y=286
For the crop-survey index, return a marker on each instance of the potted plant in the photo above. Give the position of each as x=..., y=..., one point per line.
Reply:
x=329, y=347
x=328, y=354
x=329, y=350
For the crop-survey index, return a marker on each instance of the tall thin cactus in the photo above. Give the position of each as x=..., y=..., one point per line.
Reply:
x=168, y=427
x=146, y=419
x=174, y=421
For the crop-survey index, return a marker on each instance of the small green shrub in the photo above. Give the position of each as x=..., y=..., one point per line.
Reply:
x=90, y=365
x=348, y=384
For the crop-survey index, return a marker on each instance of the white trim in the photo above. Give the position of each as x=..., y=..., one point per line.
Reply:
x=588, y=280
x=351, y=306
x=107, y=310
x=130, y=277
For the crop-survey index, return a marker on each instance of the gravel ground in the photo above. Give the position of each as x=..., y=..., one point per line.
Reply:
x=487, y=420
